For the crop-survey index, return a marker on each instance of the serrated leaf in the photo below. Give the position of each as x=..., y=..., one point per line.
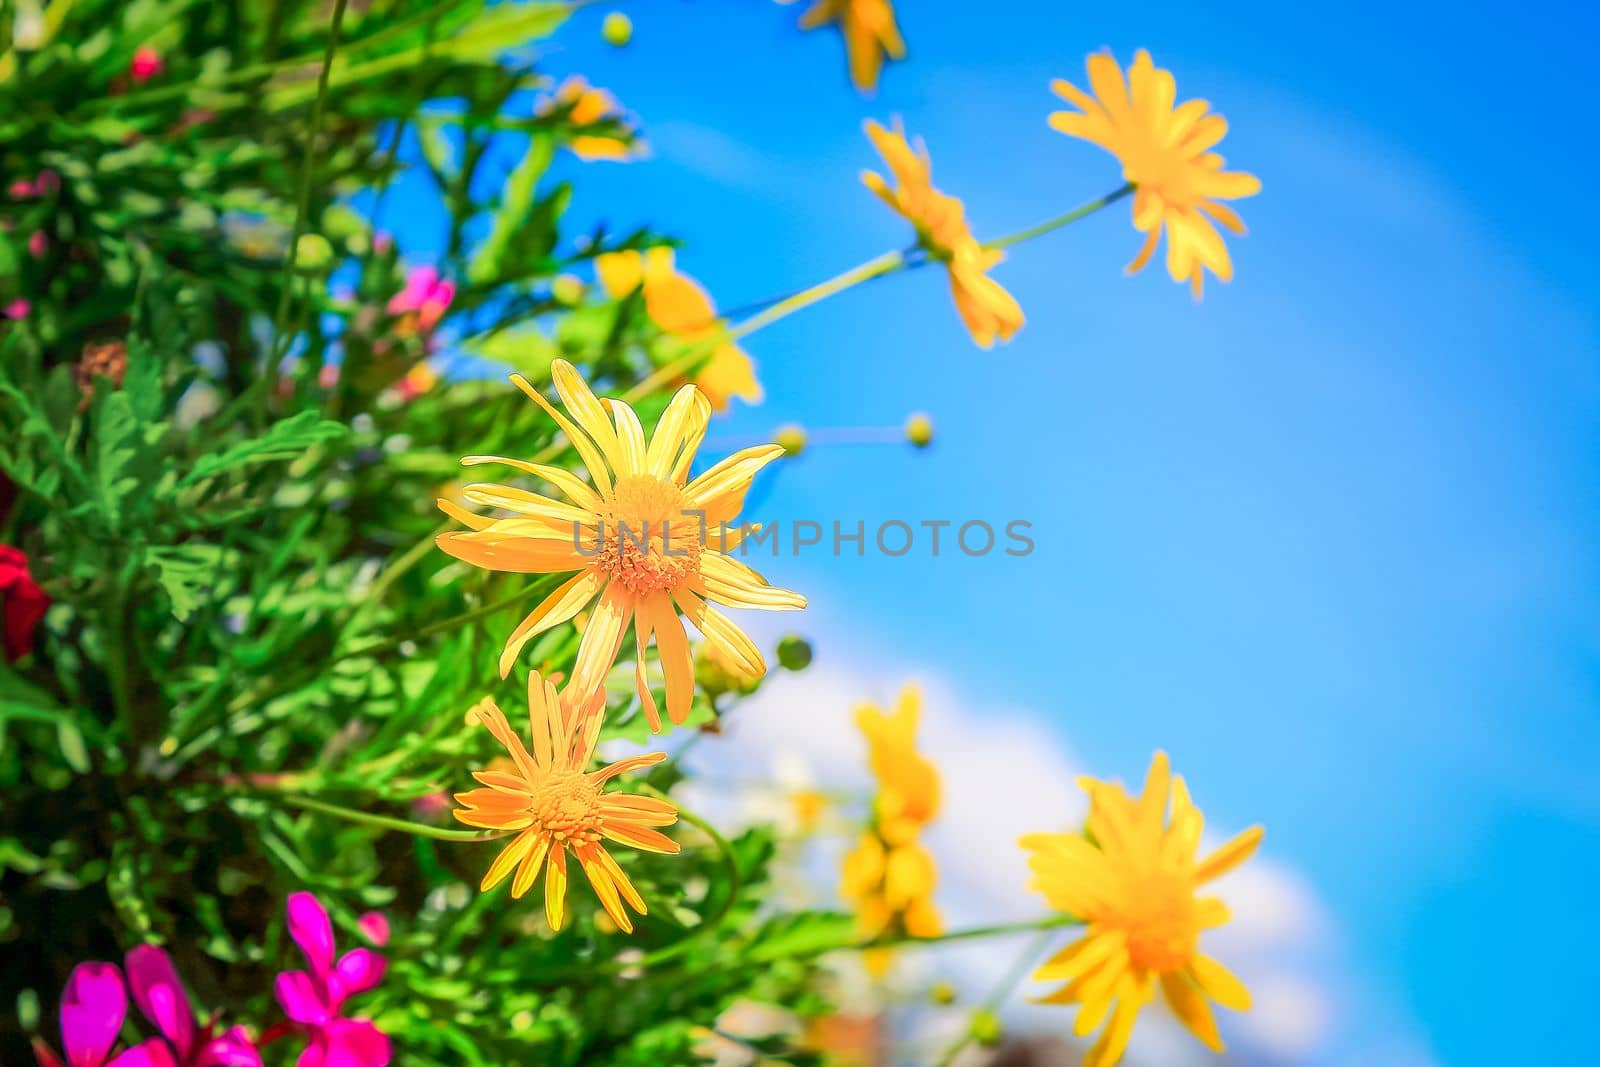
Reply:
x=283, y=440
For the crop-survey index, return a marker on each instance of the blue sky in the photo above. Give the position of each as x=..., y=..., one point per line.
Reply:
x=1328, y=537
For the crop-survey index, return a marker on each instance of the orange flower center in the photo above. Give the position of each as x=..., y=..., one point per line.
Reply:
x=1160, y=169
x=649, y=540
x=1155, y=909
x=567, y=807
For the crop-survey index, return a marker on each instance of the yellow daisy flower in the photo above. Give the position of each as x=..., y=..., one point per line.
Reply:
x=1132, y=879
x=589, y=107
x=889, y=877
x=646, y=542
x=557, y=806
x=869, y=31
x=988, y=311
x=1166, y=154
x=680, y=306
x=908, y=782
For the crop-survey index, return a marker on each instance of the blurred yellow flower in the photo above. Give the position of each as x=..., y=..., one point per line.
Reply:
x=592, y=107
x=1132, y=879
x=869, y=32
x=680, y=306
x=940, y=220
x=556, y=806
x=1166, y=154
x=645, y=541
x=889, y=877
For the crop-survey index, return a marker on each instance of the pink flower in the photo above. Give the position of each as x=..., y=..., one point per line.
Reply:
x=315, y=998
x=17, y=309
x=38, y=244
x=425, y=296
x=96, y=1003
x=375, y=926
x=20, y=189
x=147, y=63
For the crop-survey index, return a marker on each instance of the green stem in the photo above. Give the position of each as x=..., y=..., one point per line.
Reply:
x=878, y=267
x=385, y=822
x=735, y=884
x=998, y=995
x=1051, y=922
x=281, y=335
x=1051, y=225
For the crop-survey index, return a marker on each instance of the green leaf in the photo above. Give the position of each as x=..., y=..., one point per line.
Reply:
x=805, y=934
x=188, y=573
x=283, y=440
x=523, y=227
x=522, y=348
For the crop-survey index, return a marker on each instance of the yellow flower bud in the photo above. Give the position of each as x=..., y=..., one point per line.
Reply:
x=986, y=1028
x=791, y=438
x=617, y=29
x=919, y=430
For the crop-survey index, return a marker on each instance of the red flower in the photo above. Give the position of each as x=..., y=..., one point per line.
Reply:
x=22, y=600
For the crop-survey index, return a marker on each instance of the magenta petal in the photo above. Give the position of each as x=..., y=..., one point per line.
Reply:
x=232, y=1049
x=360, y=969
x=312, y=931
x=356, y=1043
x=376, y=927
x=301, y=998
x=159, y=994
x=92, y=1009
x=152, y=1053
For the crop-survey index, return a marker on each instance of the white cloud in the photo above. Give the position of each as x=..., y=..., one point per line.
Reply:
x=1005, y=773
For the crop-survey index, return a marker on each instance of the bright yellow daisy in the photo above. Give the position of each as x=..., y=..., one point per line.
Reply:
x=889, y=877
x=869, y=32
x=556, y=805
x=1166, y=154
x=940, y=220
x=591, y=107
x=1133, y=879
x=680, y=306
x=645, y=541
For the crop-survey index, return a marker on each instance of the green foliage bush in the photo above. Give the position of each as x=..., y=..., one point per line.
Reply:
x=249, y=622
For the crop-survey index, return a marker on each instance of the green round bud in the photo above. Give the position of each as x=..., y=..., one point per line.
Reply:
x=567, y=289
x=794, y=653
x=617, y=29
x=919, y=430
x=986, y=1028
x=791, y=438
x=942, y=993
x=312, y=253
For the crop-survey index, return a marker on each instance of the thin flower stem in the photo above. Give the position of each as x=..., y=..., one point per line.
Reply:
x=1082, y=211
x=1051, y=922
x=876, y=267
x=385, y=822
x=1002, y=990
x=735, y=885
x=281, y=335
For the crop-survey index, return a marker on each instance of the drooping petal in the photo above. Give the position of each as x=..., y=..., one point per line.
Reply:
x=312, y=930
x=153, y=1052
x=92, y=1009
x=555, y=889
x=360, y=969
x=560, y=606
x=301, y=997
x=160, y=995
x=355, y=1043
x=1189, y=1005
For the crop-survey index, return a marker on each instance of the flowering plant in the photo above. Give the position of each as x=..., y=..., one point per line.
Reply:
x=259, y=629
